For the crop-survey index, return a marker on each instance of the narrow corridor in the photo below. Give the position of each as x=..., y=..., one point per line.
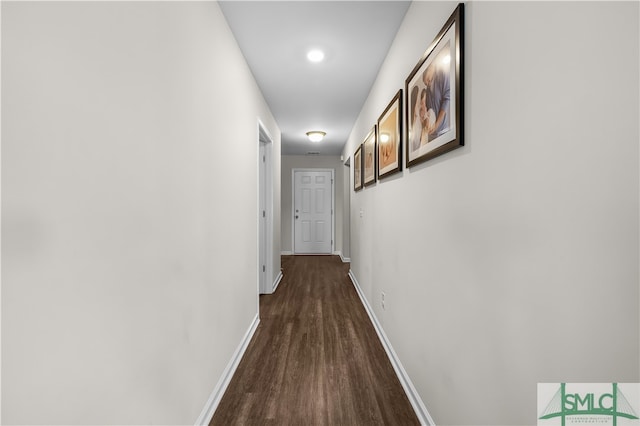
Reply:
x=315, y=357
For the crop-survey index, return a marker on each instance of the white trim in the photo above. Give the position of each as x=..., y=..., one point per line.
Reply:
x=216, y=396
x=276, y=282
x=344, y=259
x=416, y=402
x=263, y=131
x=286, y=253
x=265, y=146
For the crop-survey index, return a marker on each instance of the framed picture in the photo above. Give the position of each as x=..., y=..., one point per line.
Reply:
x=434, y=95
x=369, y=157
x=357, y=169
x=389, y=138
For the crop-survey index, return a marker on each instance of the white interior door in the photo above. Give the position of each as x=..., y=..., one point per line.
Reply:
x=313, y=211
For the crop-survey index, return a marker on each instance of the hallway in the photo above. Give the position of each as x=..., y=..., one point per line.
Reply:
x=315, y=357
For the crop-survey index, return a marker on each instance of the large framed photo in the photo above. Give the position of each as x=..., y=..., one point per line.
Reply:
x=369, y=157
x=357, y=169
x=389, y=138
x=434, y=95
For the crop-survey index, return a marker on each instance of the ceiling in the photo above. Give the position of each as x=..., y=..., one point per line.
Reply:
x=275, y=36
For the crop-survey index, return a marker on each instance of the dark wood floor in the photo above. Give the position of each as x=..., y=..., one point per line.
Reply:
x=315, y=358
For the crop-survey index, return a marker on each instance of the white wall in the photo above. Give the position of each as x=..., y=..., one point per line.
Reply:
x=129, y=209
x=512, y=260
x=290, y=162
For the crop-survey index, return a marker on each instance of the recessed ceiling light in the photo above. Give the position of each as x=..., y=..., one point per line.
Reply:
x=315, y=135
x=315, y=55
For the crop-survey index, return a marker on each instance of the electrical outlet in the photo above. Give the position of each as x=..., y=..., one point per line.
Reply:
x=382, y=295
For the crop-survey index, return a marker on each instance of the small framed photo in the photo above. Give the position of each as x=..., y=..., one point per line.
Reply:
x=390, y=138
x=357, y=169
x=434, y=95
x=369, y=157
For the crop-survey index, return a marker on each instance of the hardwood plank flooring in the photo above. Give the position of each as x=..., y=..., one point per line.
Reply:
x=315, y=358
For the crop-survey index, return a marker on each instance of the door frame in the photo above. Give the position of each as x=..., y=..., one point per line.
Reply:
x=293, y=203
x=345, y=253
x=265, y=247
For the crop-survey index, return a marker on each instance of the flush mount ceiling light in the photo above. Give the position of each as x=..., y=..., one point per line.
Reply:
x=315, y=55
x=315, y=135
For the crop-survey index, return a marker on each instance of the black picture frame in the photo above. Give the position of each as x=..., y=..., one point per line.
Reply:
x=434, y=93
x=389, y=138
x=369, y=158
x=357, y=169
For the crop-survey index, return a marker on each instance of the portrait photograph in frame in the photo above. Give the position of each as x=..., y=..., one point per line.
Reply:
x=357, y=169
x=369, y=158
x=389, y=138
x=434, y=95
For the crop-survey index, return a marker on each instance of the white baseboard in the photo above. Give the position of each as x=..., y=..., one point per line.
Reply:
x=416, y=402
x=286, y=253
x=344, y=259
x=212, y=403
x=276, y=282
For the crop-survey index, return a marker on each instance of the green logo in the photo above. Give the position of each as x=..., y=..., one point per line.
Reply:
x=588, y=403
